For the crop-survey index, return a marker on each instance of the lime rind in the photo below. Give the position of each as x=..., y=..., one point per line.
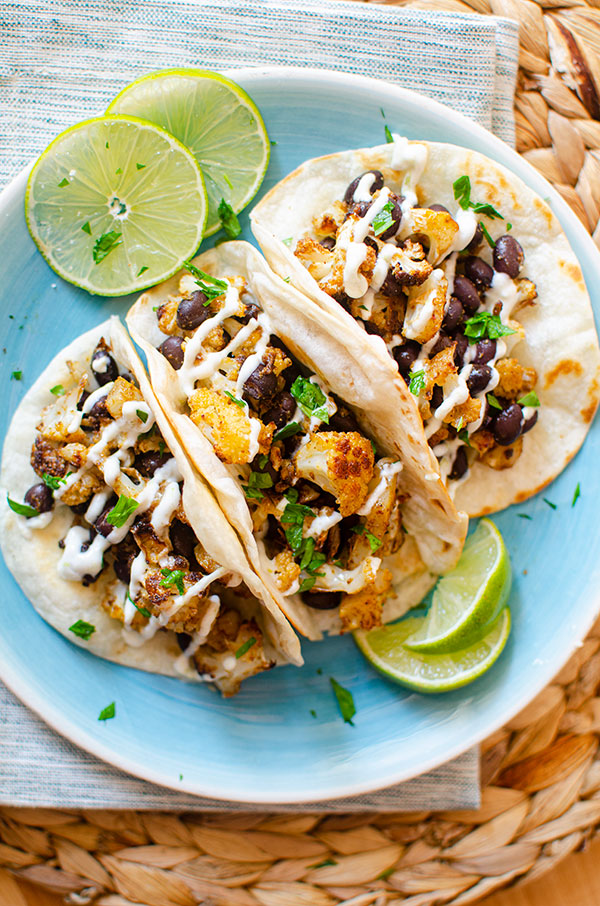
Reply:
x=468, y=600
x=431, y=673
x=227, y=135
x=98, y=160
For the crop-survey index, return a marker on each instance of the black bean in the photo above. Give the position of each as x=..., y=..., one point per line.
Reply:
x=124, y=554
x=322, y=600
x=391, y=286
x=371, y=243
x=147, y=463
x=476, y=240
x=342, y=299
x=98, y=410
x=342, y=420
x=111, y=370
x=465, y=291
x=377, y=184
x=261, y=385
x=183, y=640
x=454, y=314
x=103, y=527
x=250, y=311
x=192, y=312
x=183, y=540
x=460, y=464
x=479, y=378
x=508, y=256
x=437, y=397
x=438, y=207
x=406, y=356
x=529, y=423
x=485, y=350
x=461, y=348
x=359, y=209
x=39, y=496
x=80, y=508
x=172, y=349
x=328, y=242
x=82, y=399
x=507, y=426
x=122, y=570
x=443, y=342
x=396, y=216
x=477, y=270
x=283, y=407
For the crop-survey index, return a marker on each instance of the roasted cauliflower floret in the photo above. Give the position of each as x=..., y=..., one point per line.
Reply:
x=503, y=457
x=436, y=228
x=526, y=292
x=409, y=264
x=464, y=413
x=121, y=392
x=329, y=222
x=425, y=308
x=364, y=609
x=315, y=257
x=227, y=424
x=515, y=379
x=167, y=314
x=229, y=636
x=287, y=570
x=340, y=463
x=382, y=522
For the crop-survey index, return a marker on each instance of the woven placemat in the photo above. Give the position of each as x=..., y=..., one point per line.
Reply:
x=540, y=774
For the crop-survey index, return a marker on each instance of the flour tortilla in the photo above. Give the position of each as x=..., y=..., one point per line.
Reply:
x=361, y=379
x=32, y=554
x=561, y=341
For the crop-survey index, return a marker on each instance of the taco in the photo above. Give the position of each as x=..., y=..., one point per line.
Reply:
x=118, y=543
x=312, y=448
x=449, y=265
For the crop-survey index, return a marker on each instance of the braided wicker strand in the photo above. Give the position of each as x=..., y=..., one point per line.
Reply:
x=541, y=773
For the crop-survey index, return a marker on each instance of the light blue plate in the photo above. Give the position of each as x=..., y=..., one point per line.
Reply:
x=264, y=745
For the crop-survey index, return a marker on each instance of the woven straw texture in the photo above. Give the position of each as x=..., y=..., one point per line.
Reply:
x=541, y=773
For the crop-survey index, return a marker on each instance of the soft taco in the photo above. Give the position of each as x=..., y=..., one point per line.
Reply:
x=115, y=539
x=451, y=267
x=310, y=444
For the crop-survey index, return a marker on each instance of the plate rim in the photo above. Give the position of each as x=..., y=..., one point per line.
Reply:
x=493, y=147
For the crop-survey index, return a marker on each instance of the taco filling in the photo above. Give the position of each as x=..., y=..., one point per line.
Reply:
x=442, y=295
x=325, y=504
x=99, y=452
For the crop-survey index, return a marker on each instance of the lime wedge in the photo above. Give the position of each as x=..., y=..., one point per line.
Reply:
x=467, y=600
x=116, y=204
x=216, y=120
x=385, y=650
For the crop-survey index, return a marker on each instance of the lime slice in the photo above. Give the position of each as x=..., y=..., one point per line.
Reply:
x=385, y=650
x=216, y=120
x=116, y=204
x=467, y=600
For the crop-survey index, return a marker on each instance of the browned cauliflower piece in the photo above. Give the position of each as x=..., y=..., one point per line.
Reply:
x=121, y=392
x=286, y=570
x=425, y=308
x=503, y=457
x=383, y=521
x=436, y=228
x=464, y=413
x=316, y=258
x=482, y=441
x=409, y=264
x=167, y=314
x=219, y=659
x=340, y=462
x=45, y=457
x=228, y=423
x=75, y=455
x=329, y=222
x=363, y=610
x=526, y=292
x=515, y=379
x=85, y=487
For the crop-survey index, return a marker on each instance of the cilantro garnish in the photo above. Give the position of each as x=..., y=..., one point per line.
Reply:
x=294, y=515
x=288, y=241
x=384, y=220
x=173, y=577
x=140, y=166
x=464, y=436
x=287, y=431
x=210, y=286
x=238, y=402
x=345, y=701
x=118, y=171
x=64, y=182
x=374, y=542
x=485, y=324
x=143, y=416
x=105, y=244
x=291, y=495
x=121, y=511
x=310, y=398
x=87, y=228
x=82, y=629
x=577, y=494
x=487, y=236
x=262, y=460
x=245, y=647
x=58, y=390
x=530, y=399
x=53, y=482
x=388, y=134
x=257, y=480
x=307, y=584
x=16, y=375
x=22, y=509
x=493, y=401
x=417, y=382
x=462, y=193
x=509, y=226
x=141, y=271
x=313, y=713
x=108, y=712
x=523, y=516
x=143, y=610
x=549, y=502
x=229, y=221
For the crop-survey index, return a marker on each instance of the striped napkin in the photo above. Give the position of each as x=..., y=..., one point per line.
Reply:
x=64, y=60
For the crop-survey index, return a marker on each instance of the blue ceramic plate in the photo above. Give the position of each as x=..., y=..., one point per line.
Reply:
x=265, y=744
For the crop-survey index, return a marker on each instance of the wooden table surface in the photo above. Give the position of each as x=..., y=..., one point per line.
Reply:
x=575, y=880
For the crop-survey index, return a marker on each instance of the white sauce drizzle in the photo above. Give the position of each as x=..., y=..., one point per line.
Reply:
x=467, y=224
x=100, y=364
x=363, y=189
x=322, y=523
x=387, y=470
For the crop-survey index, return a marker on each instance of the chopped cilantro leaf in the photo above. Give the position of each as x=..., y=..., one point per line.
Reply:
x=286, y=279
x=273, y=142
x=310, y=398
x=143, y=416
x=141, y=271
x=64, y=182
x=22, y=509
x=16, y=375
x=313, y=713
x=509, y=226
x=210, y=286
x=82, y=629
x=462, y=191
x=53, y=482
x=417, y=382
x=143, y=610
x=345, y=701
x=307, y=584
x=464, y=436
x=58, y=390
x=530, y=399
x=295, y=513
x=309, y=548
x=105, y=244
x=339, y=564
x=121, y=511
x=262, y=460
x=252, y=493
x=118, y=171
x=549, y=502
x=228, y=219
x=384, y=220
x=245, y=647
x=140, y=166
x=108, y=712
x=485, y=324
x=577, y=494
x=388, y=134
x=374, y=542
x=523, y=516
x=287, y=431
x=291, y=495
x=238, y=402
x=260, y=480
x=173, y=577
x=487, y=210
x=493, y=401
x=288, y=241
x=87, y=228
x=487, y=236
